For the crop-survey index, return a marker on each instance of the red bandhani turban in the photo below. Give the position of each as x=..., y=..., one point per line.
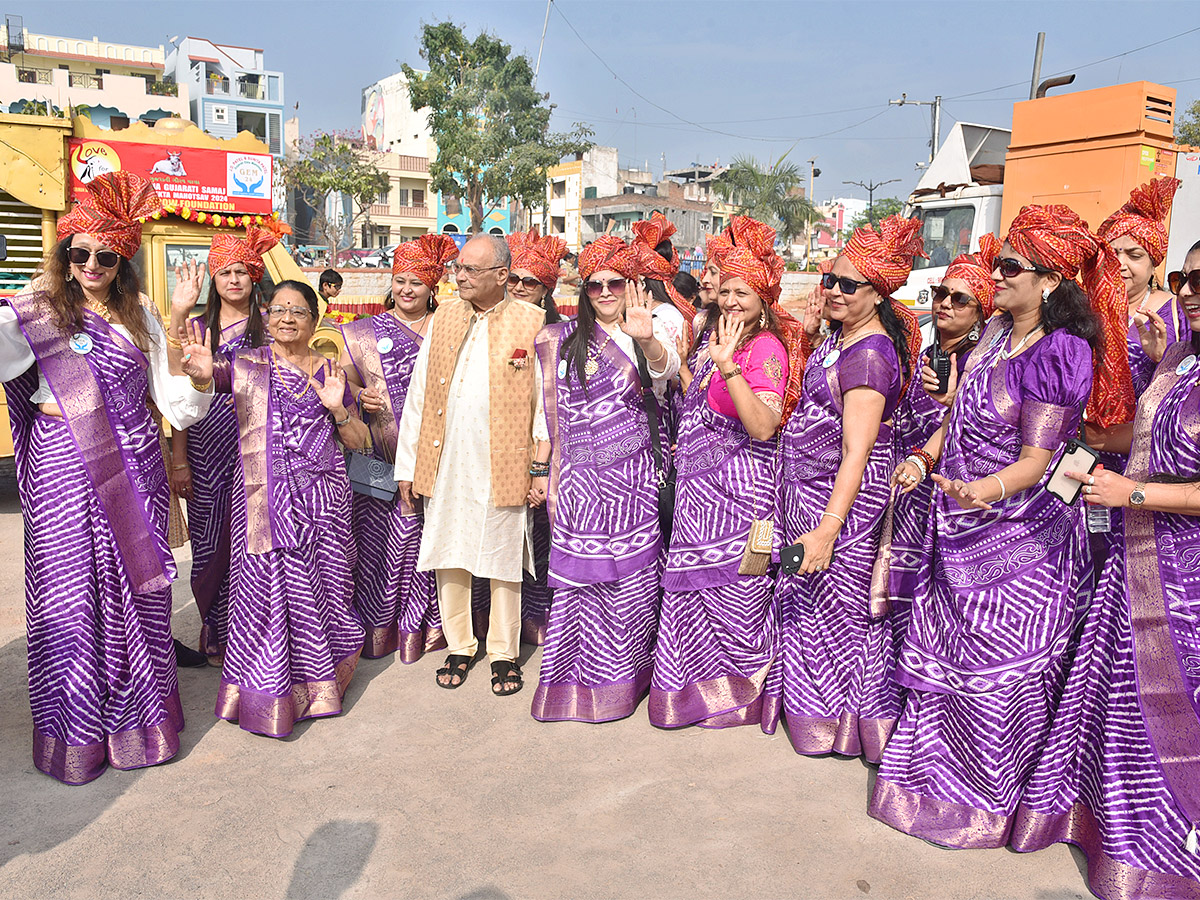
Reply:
x=1144, y=217
x=976, y=270
x=746, y=250
x=114, y=211
x=227, y=249
x=1054, y=237
x=648, y=234
x=885, y=259
x=540, y=255
x=609, y=252
x=425, y=257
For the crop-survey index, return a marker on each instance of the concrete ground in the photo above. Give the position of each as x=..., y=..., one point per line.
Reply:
x=419, y=792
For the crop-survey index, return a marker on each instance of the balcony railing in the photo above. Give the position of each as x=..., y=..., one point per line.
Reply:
x=251, y=90
x=415, y=212
x=217, y=86
x=35, y=76
x=85, y=80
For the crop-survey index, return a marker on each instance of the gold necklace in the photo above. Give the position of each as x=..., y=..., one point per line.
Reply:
x=100, y=309
x=307, y=383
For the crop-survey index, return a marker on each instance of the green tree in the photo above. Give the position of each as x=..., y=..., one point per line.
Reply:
x=1187, y=126
x=888, y=206
x=771, y=194
x=327, y=164
x=489, y=123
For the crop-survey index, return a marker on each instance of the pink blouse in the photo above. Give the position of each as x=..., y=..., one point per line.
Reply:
x=764, y=365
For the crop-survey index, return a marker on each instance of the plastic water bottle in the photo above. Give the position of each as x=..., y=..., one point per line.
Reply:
x=1099, y=519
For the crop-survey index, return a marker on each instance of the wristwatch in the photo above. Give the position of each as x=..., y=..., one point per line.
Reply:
x=1138, y=495
x=736, y=370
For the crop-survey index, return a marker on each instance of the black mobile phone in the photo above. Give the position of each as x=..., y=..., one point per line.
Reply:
x=791, y=558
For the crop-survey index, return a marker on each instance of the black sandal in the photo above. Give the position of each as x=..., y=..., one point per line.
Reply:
x=504, y=671
x=456, y=667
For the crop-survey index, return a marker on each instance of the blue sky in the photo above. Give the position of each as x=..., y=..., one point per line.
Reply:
x=745, y=78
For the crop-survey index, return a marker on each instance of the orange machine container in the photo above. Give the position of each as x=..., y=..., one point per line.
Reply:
x=1117, y=138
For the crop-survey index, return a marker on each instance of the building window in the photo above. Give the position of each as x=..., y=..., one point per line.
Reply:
x=559, y=190
x=589, y=193
x=253, y=122
x=418, y=198
x=220, y=115
x=118, y=123
x=274, y=139
x=558, y=224
x=403, y=196
x=383, y=197
x=449, y=228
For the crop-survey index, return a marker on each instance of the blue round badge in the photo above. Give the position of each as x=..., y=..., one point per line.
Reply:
x=384, y=345
x=831, y=357
x=81, y=343
x=1186, y=365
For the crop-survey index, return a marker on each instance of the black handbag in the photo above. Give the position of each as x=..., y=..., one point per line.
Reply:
x=664, y=469
x=370, y=476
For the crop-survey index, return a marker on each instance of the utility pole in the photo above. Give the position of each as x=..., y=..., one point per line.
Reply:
x=870, y=188
x=813, y=172
x=537, y=68
x=936, y=103
x=1037, y=65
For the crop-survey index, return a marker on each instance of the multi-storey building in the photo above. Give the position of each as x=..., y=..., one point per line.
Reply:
x=110, y=83
x=230, y=90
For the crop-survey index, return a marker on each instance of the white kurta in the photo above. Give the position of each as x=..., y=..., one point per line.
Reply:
x=180, y=403
x=463, y=530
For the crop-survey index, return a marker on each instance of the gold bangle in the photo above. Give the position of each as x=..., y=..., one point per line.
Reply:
x=201, y=388
x=174, y=342
x=180, y=467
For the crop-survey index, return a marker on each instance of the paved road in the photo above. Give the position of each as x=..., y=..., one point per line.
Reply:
x=418, y=792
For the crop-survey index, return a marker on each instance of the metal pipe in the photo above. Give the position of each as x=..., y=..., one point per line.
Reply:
x=1057, y=81
x=1037, y=66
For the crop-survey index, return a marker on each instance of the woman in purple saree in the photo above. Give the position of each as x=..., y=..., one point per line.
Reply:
x=294, y=637
x=1005, y=563
x=204, y=457
x=718, y=632
x=81, y=355
x=592, y=435
x=837, y=457
x=1121, y=777
x=397, y=603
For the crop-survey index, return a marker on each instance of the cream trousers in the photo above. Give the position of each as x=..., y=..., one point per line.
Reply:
x=504, y=624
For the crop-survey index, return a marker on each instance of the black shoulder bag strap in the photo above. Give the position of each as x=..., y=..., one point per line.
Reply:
x=650, y=402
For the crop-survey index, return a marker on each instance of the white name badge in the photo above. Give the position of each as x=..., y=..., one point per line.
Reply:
x=384, y=345
x=1186, y=365
x=831, y=357
x=81, y=343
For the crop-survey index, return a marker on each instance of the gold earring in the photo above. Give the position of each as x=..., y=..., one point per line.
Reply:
x=70, y=277
x=762, y=319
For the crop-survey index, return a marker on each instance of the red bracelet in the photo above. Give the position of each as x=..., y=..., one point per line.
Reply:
x=925, y=457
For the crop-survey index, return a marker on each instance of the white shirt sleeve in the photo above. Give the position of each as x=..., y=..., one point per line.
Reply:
x=663, y=330
x=541, y=424
x=15, y=353
x=410, y=417
x=180, y=403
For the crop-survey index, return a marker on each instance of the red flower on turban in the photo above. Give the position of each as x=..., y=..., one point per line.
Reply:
x=609, y=252
x=425, y=257
x=1144, y=217
x=117, y=202
x=1054, y=237
x=648, y=234
x=227, y=249
x=885, y=258
x=976, y=270
x=540, y=255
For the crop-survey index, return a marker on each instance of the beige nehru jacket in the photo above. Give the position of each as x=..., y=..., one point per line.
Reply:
x=512, y=327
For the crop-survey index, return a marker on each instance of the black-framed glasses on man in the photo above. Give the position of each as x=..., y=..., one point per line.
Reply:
x=472, y=271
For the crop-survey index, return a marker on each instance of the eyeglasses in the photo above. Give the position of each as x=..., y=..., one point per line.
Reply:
x=616, y=287
x=296, y=312
x=472, y=271
x=848, y=285
x=529, y=282
x=105, y=259
x=1176, y=281
x=958, y=298
x=1011, y=268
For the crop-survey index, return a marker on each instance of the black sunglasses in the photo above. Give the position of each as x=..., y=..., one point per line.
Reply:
x=1176, y=281
x=616, y=287
x=105, y=259
x=1011, y=268
x=958, y=298
x=848, y=285
x=528, y=281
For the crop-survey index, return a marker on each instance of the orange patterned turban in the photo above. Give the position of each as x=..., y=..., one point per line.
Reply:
x=1054, y=237
x=885, y=258
x=227, y=249
x=648, y=234
x=540, y=255
x=1144, y=217
x=976, y=270
x=116, y=204
x=425, y=257
x=609, y=252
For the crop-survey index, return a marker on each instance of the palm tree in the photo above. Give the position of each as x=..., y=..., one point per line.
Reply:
x=769, y=194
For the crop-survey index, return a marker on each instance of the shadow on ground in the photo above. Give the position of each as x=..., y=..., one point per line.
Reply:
x=332, y=860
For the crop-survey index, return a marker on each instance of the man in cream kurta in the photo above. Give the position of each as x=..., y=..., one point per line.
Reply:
x=465, y=532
